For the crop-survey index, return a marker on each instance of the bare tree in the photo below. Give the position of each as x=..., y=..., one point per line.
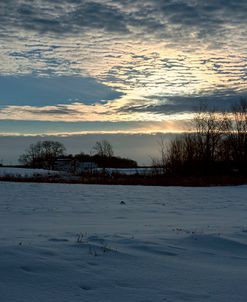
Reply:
x=32, y=156
x=158, y=164
x=103, y=148
x=210, y=127
x=42, y=154
x=215, y=142
x=237, y=136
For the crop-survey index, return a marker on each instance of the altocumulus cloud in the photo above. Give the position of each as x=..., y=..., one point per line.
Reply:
x=68, y=16
x=146, y=56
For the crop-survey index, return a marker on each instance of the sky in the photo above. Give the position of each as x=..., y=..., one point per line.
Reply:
x=129, y=67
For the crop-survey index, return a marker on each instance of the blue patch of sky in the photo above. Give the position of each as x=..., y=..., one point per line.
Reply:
x=47, y=91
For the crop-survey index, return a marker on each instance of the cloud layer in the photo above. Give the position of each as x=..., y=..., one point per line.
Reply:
x=146, y=58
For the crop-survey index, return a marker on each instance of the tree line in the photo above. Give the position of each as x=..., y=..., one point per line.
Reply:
x=216, y=144
x=44, y=154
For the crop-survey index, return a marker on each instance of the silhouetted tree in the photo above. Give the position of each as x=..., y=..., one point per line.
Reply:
x=103, y=148
x=216, y=144
x=236, y=142
x=42, y=154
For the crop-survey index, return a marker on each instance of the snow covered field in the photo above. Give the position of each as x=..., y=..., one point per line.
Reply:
x=22, y=172
x=129, y=171
x=80, y=243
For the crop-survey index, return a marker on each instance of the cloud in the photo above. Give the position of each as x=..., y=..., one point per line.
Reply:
x=163, y=105
x=146, y=58
x=150, y=16
x=65, y=128
x=61, y=17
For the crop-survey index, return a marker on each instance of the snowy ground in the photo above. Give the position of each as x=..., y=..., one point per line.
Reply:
x=22, y=172
x=79, y=243
x=130, y=171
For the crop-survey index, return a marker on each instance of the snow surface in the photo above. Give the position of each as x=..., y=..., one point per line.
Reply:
x=128, y=171
x=119, y=243
x=23, y=172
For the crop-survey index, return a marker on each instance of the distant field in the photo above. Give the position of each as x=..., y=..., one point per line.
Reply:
x=135, y=176
x=62, y=242
x=4, y=171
